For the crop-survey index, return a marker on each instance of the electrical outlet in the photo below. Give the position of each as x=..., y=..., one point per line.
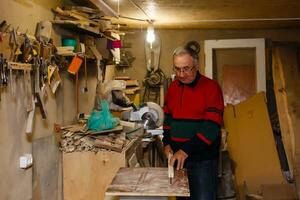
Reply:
x=26, y=161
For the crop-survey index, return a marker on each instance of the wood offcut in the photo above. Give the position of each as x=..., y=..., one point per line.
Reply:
x=77, y=137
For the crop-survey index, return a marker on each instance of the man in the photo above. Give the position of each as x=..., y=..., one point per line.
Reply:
x=193, y=117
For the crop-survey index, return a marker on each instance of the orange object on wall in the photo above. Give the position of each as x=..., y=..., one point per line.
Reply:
x=75, y=65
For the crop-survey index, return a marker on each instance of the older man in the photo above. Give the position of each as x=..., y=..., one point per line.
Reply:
x=193, y=118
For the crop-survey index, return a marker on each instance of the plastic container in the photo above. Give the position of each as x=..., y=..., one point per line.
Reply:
x=69, y=42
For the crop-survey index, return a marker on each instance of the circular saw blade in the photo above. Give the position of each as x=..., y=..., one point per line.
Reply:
x=157, y=112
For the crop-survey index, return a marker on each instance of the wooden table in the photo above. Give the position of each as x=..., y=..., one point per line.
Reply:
x=148, y=183
x=86, y=175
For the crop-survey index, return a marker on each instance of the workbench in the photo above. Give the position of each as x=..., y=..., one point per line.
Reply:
x=86, y=175
x=148, y=183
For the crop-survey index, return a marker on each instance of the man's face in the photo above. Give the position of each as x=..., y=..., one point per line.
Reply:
x=184, y=68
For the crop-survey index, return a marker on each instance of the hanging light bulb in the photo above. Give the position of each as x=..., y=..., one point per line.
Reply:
x=150, y=38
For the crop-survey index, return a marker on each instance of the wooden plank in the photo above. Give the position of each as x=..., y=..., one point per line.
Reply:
x=279, y=192
x=96, y=53
x=85, y=9
x=132, y=82
x=251, y=144
x=286, y=127
x=79, y=27
x=287, y=92
x=148, y=182
x=111, y=143
x=122, y=78
x=46, y=169
x=19, y=66
x=15, y=183
x=70, y=13
x=109, y=72
x=115, y=129
x=105, y=8
x=132, y=90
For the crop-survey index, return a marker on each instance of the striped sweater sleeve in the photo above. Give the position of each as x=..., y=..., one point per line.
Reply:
x=167, y=123
x=167, y=129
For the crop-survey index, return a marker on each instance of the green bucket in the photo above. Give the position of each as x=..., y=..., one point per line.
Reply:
x=69, y=42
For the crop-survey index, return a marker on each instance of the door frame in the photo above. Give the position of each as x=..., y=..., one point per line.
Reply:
x=260, y=57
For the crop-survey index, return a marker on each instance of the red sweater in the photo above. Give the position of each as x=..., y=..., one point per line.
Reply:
x=193, y=117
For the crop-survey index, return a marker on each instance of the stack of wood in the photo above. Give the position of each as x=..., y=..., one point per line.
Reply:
x=67, y=50
x=77, y=138
x=132, y=85
x=84, y=18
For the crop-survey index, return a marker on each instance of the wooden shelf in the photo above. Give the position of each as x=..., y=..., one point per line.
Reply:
x=73, y=25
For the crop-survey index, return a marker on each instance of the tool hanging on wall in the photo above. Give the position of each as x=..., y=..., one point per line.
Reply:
x=154, y=77
x=54, y=79
x=85, y=89
x=3, y=73
x=37, y=88
x=27, y=55
x=15, y=45
x=26, y=70
x=27, y=50
x=153, y=84
x=75, y=65
x=30, y=118
x=4, y=27
x=73, y=69
x=98, y=57
x=43, y=31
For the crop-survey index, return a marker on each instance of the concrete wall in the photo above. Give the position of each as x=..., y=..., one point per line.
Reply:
x=24, y=14
x=17, y=183
x=173, y=38
x=170, y=40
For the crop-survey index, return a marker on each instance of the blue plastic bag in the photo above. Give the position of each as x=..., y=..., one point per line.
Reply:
x=102, y=120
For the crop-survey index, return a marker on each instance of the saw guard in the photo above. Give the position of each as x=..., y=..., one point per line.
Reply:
x=157, y=111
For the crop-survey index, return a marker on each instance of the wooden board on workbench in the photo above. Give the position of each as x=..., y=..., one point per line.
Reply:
x=148, y=182
x=117, y=128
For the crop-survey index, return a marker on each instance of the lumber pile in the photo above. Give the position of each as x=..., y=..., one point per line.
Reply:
x=132, y=85
x=76, y=138
x=83, y=18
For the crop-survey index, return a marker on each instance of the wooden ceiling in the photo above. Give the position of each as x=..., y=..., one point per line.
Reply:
x=209, y=14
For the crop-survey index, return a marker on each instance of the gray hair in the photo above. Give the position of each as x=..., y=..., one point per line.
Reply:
x=181, y=50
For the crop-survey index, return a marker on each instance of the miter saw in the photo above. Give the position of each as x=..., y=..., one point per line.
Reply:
x=150, y=114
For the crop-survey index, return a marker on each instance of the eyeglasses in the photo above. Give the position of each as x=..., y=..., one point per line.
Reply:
x=184, y=70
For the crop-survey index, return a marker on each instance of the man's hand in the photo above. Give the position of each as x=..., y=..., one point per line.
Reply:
x=180, y=156
x=168, y=150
